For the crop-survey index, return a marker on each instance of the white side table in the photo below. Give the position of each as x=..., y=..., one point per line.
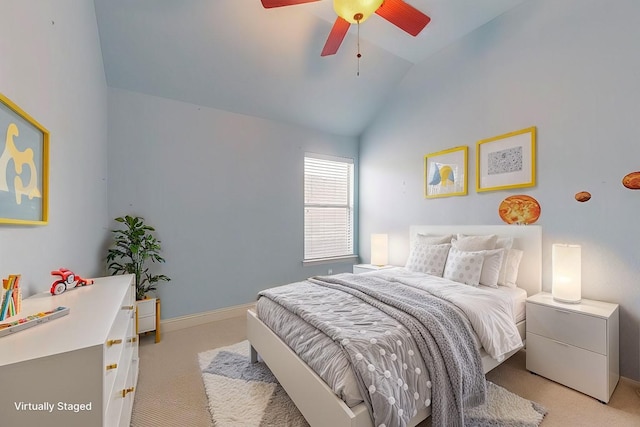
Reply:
x=363, y=268
x=576, y=345
x=148, y=316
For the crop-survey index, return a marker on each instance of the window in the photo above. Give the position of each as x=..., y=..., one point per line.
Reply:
x=328, y=207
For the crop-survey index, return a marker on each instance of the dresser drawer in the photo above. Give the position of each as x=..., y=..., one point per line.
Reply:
x=116, y=344
x=574, y=367
x=115, y=397
x=117, y=337
x=127, y=403
x=580, y=330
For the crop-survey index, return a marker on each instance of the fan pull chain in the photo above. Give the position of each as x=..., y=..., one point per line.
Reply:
x=359, y=55
x=358, y=17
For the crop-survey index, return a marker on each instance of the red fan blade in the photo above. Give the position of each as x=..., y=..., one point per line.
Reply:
x=404, y=16
x=339, y=30
x=268, y=4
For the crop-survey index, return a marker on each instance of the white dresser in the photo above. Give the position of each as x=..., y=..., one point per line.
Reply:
x=77, y=370
x=574, y=344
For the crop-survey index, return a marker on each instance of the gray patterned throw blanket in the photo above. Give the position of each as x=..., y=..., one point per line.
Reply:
x=430, y=333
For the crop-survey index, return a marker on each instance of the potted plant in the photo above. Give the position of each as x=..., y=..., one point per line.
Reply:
x=133, y=247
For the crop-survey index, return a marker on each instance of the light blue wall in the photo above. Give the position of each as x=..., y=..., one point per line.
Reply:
x=570, y=68
x=51, y=66
x=224, y=191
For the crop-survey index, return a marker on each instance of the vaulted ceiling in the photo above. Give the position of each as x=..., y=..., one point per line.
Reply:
x=237, y=56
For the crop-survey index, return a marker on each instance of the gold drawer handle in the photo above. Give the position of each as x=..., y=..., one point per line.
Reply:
x=127, y=390
x=112, y=366
x=127, y=307
x=132, y=339
x=112, y=342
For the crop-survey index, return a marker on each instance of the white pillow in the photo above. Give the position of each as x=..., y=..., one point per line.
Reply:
x=491, y=267
x=475, y=243
x=464, y=267
x=433, y=239
x=504, y=242
x=509, y=271
x=428, y=258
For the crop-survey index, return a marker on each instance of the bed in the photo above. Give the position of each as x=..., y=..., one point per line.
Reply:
x=318, y=401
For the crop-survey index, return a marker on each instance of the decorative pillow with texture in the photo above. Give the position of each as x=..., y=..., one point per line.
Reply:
x=428, y=258
x=504, y=242
x=433, y=239
x=475, y=243
x=509, y=273
x=491, y=267
x=464, y=267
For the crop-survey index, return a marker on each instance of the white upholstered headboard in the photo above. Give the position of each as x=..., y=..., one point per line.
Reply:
x=527, y=238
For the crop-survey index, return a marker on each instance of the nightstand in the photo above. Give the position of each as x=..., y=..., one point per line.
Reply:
x=363, y=268
x=576, y=345
x=148, y=317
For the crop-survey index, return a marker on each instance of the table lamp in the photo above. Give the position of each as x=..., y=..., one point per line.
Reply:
x=566, y=270
x=379, y=249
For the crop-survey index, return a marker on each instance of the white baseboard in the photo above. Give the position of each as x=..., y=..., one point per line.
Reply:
x=177, y=323
x=633, y=383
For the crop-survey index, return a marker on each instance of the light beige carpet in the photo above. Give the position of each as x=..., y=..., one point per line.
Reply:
x=170, y=391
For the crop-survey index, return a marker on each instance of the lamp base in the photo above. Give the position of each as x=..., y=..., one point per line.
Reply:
x=568, y=301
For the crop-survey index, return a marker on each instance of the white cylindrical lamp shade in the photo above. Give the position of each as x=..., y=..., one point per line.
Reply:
x=567, y=274
x=379, y=249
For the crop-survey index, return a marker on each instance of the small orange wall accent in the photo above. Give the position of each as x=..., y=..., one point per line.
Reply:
x=519, y=209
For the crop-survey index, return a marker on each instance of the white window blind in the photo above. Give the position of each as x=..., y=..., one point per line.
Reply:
x=328, y=207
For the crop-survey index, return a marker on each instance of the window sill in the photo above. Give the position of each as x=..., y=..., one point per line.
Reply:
x=333, y=260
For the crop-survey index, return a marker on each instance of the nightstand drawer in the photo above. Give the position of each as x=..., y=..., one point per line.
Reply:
x=577, y=329
x=146, y=324
x=146, y=307
x=574, y=367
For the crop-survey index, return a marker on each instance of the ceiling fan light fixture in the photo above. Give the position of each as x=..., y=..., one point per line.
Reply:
x=356, y=11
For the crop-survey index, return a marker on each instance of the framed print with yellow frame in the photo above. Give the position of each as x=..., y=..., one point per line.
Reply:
x=506, y=161
x=24, y=167
x=445, y=173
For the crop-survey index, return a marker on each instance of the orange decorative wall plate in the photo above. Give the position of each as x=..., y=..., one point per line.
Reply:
x=632, y=181
x=583, y=196
x=519, y=209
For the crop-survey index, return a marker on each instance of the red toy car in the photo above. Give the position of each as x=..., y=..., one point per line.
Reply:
x=68, y=280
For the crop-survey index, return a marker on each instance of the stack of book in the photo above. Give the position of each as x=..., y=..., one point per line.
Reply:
x=11, y=298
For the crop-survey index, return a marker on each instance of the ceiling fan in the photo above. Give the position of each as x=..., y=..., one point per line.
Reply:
x=399, y=13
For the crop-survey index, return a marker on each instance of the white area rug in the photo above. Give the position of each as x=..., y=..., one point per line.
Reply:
x=242, y=394
x=504, y=409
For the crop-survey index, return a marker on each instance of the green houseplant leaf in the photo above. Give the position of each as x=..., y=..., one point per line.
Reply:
x=133, y=246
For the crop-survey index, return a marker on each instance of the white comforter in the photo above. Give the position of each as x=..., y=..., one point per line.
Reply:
x=490, y=314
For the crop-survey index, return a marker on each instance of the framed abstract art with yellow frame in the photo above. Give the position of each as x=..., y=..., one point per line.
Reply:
x=506, y=161
x=24, y=167
x=445, y=173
